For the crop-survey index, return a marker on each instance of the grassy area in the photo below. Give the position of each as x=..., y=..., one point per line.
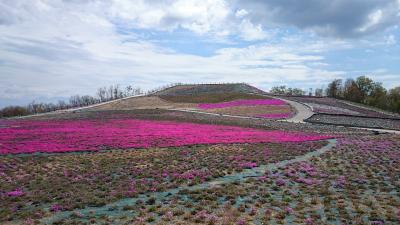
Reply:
x=38, y=185
x=210, y=97
x=209, y=88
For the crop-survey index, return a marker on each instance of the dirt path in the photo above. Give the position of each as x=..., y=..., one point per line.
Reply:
x=303, y=112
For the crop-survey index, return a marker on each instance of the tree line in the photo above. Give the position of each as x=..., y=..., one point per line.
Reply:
x=361, y=90
x=283, y=90
x=103, y=94
x=365, y=91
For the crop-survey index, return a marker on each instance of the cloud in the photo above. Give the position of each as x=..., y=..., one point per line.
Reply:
x=61, y=48
x=198, y=16
x=337, y=18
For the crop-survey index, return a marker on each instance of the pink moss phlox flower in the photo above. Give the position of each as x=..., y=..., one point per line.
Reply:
x=140, y=219
x=77, y=178
x=29, y=221
x=266, y=153
x=248, y=102
x=305, y=167
x=307, y=181
x=16, y=193
x=236, y=158
x=241, y=222
x=309, y=221
x=91, y=135
x=202, y=215
x=290, y=172
x=153, y=189
x=131, y=191
x=65, y=172
x=247, y=165
x=308, y=169
x=323, y=175
x=165, y=174
x=268, y=212
x=56, y=208
x=212, y=219
x=293, y=193
x=288, y=210
x=340, y=181
x=398, y=215
x=275, y=175
x=185, y=152
x=192, y=174
x=262, y=178
x=280, y=182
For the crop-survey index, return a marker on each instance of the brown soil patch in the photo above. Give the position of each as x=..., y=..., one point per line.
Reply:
x=151, y=102
x=210, y=97
x=252, y=110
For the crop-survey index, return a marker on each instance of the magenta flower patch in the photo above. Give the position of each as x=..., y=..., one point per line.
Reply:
x=16, y=193
x=248, y=102
x=247, y=165
x=89, y=135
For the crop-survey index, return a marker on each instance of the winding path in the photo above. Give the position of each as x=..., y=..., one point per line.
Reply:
x=303, y=112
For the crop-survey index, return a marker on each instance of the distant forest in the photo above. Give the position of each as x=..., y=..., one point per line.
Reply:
x=103, y=94
x=362, y=90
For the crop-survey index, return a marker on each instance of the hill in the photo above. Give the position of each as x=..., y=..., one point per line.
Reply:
x=195, y=89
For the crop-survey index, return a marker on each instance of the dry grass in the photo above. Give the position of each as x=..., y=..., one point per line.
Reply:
x=210, y=97
x=252, y=110
x=151, y=102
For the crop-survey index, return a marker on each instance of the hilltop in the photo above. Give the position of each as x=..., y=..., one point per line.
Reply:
x=192, y=89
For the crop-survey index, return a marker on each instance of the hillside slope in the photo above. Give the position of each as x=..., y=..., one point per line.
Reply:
x=208, y=89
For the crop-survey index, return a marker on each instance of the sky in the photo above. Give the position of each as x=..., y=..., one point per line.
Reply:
x=52, y=49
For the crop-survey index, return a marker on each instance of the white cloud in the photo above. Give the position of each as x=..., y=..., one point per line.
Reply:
x=200, y=16
x=241, y=13
x=390, y=40
x=60, y=48
x=374, y=19
x=251, y=32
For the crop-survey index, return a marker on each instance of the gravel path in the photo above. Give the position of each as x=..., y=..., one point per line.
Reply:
x=302, y=112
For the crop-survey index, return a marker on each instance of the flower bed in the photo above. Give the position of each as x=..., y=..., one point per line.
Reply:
x=35, y=185
x=261, y=108
x=89, y=135
x=247, y=102
x=382, y=123
x=321, y=108
x=340, y=106
x=355, y=183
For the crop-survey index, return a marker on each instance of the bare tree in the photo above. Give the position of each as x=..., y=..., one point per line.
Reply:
x=334, y=88
x=319, y=92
